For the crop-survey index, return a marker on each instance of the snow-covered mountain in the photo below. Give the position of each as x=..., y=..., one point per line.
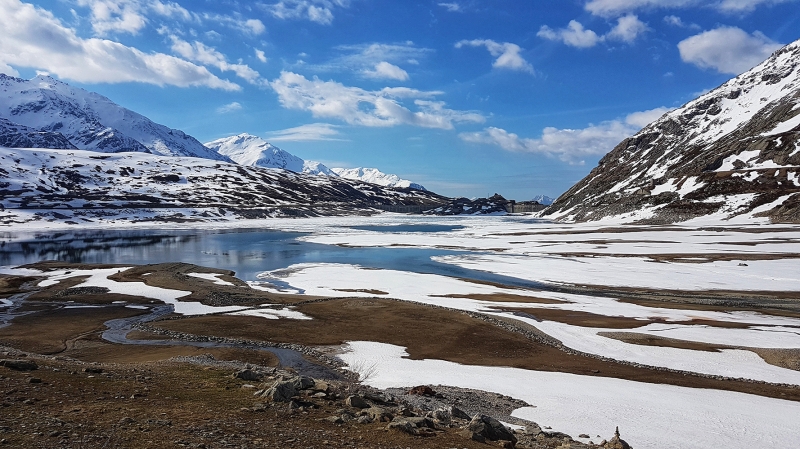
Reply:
x=16, y=135
x=253, y=151
x=84, y=186
x=733, y=152
x=89, y=120
x=543, y=199
x=375, y=176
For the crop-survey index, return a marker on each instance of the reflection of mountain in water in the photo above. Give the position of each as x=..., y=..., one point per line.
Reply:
x=83, y=247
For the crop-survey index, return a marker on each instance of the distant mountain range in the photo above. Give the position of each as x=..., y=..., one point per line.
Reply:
x=733, y=152
x=253, y=151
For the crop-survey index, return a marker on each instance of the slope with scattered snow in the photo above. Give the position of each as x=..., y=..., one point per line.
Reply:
x=375, y=176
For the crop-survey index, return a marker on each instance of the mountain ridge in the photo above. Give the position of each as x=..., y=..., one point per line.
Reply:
x=734, y=152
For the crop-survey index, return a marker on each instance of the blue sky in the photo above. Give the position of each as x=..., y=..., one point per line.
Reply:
x=467, y=97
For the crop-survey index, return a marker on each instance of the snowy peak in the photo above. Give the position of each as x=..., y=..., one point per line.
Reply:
x=375, y=176
x=89, y=120
x=252, y=151
x=733, y=152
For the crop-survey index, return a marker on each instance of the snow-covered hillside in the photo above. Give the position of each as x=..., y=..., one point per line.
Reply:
x=89, y=120
x=16, y=135
x=85, y=186
x=375, y=176
x=253, y=151
x=733, y=152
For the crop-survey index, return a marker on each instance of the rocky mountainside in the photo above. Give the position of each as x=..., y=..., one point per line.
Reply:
x=90, y=121
x=20, y=136
x=733, y=152
x=375, y=176
x=85, y=185
x=253, y=151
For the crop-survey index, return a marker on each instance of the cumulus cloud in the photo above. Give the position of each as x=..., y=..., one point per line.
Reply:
x=252, y=27
x=306, y=133
x=32, y=37
x=260, y=55
x=230, y=107
x=452, y=7
x=727, y=49
x=199, y=52
x=627, y=29
x=507, y=54
x=613, y=8
x=353, y=105
x=570, y=145
x=574, y=35
x=385, y=70
x=319, y=11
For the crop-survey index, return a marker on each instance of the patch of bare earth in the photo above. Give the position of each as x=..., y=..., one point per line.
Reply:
x=434, y=333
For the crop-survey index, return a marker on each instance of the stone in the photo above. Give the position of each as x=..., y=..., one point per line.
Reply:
x=422, y=390
x=583, y=435
x=93, y=370
x=379, y=414
x=248, y=375
x=470, y=435
x=320, y=386
x=357, y=402
x=335, y=419
x=403, y=426
x=303, y=382
x=490, y=428
x=456, y=412
x=616, y=442
x=19, y=365
x=282, y=391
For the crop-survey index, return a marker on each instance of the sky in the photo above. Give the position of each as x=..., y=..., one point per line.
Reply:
x=467, y=97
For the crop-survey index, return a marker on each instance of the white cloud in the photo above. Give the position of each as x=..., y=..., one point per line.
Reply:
x=252, y=27
x=255, y=26
x=627, y=29
x=507, y=54
x=261, y=55
x=32, y=37
x=306, y=133
x=230, y=107
x=209, y=56
x=115, y=16
x=319, y=11
x=574, y=35
x=8, y=70
x=569, y=145
x=614, y=8
x=727, y=49
x=329, y=99
x=452, y=7
x=385, y=70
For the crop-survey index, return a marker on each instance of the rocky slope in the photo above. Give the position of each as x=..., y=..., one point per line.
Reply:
x=20, y=136
x=375, y=176
x=90, y=121
x=85, y=185
x=733, y=152
x=253, y=151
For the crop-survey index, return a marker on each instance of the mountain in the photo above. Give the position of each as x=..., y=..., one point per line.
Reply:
x=84, y=186
x=733, y=152
x=543, y=199
x=16, y=135
x=252, y=151
x=90, y=121
x=375, y=176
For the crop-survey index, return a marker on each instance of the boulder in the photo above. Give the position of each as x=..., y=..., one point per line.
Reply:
x=422, y=390
x=379, y=414
x=357, y=402
x=616, y=442
x=282, y=391
x=19, y=365
x=248, y=375
x=403, y=426
x=491, y=429
x=303, y=382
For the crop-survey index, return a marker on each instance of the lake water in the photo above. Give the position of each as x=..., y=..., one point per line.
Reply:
x=244, y=251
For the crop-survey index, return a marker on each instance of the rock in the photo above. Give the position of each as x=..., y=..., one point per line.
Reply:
x=456, y=412
x=379, y=414
x=248, y=375
x=34, y=380
x=320, y=386
x=617, y=442
x=533, y=429
x=335, y=419
x=422, y=390
x=470, y=435
x=303, y=382
x=19, y=365
x=490, y=428
x=282, y=391
x=357, y=402
x=364, y=420
x=583, y=435
x=403, y=426
x=93, y=370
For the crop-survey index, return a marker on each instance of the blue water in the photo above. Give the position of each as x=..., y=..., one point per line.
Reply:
x=247, y=252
